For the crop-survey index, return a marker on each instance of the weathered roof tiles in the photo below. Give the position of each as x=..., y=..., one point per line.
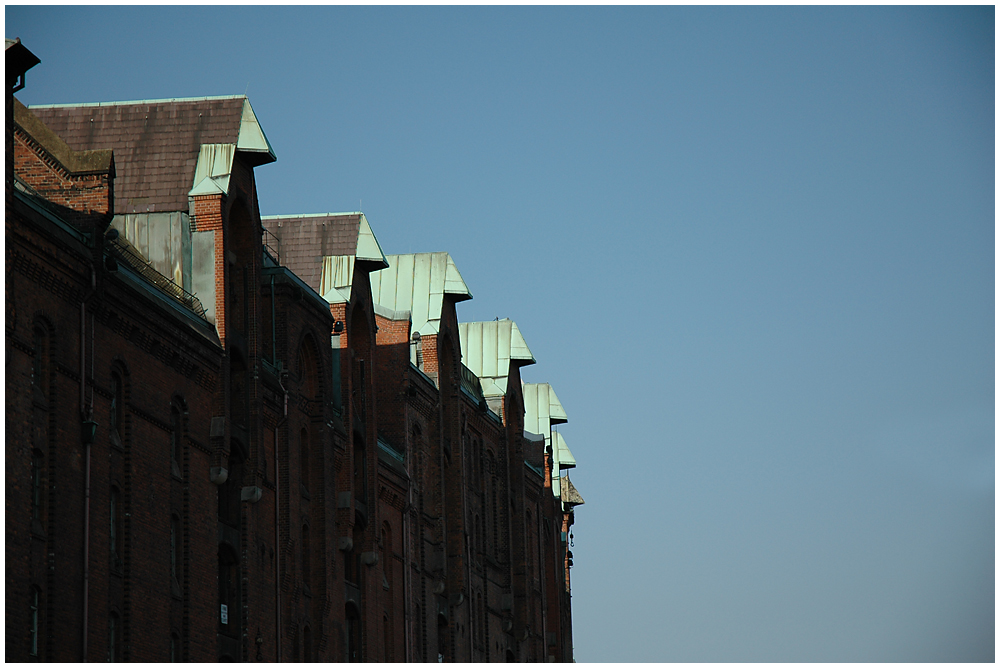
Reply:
x=157, y=142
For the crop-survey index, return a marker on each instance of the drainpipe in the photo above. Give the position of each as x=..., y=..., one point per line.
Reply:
x=87, y=436
x=406, y=530
x=277, y=508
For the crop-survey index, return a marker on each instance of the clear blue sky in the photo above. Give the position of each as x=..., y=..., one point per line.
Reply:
x=751, y=249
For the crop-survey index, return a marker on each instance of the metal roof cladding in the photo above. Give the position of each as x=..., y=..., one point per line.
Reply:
x=321, y=248
x=489, y=348
x=542, y=411
x=158, y=144
x=417, y=283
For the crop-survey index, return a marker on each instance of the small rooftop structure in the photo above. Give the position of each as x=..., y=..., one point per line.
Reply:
x=570, y=496
x=489, y=348
x=542, y=411
x=416, y=284
x=321, y=248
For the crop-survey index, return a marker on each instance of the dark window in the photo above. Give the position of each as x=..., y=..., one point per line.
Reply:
x=238, y=385
x=36, y=595
x=116, y=528
x=117, y=401
x=176, y=453
x=40, y=366
x=114, y=638
x=229, y=592
x=175, y=550
x=37, y=486
x=360, y=471
x=175, y=648
x=307, y=645
x=306, y=567
x=231, y=490
x=386, y=639
x=304, y=461
x=353, y=635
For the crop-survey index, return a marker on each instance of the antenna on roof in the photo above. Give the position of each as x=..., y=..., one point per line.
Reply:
x=246, y=89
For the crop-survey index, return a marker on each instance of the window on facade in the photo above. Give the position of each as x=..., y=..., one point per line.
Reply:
x=238, y=386
x=37, y=486
x=230, y=491
x=360, y=470
x=176, y=454
x=175, y=550
x=353, y=635
x=175, y=648
x=386, y=639
x=116, y=530
x=35, y=601
x=117, y=401
x=304, y=461
x=229, y=592
x=385, y=545
x=40, y=365
x=114, y=638
x=307, y=645
x=306, y=565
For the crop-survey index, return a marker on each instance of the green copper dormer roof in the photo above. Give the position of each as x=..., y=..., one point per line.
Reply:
x=489, y=348
x=417, y=283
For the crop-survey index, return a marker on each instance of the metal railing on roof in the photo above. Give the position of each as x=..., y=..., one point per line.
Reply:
x=271, y=245
x=126, y=253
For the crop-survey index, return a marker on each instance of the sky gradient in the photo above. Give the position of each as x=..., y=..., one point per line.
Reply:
x=752, y=250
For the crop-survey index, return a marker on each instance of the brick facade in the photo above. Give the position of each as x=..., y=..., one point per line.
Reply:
x=274, y=475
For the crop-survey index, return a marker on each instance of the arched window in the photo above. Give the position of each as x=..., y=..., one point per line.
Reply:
x=229, y=592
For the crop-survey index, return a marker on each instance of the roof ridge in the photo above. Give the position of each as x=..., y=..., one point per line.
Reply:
x=311, y=215
x=125, y=102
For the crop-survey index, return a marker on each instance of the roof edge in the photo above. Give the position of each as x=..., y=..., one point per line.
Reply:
x=125, y=102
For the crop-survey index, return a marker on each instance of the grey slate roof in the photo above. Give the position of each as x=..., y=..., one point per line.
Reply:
x=156, y=143
x=303, y=241
x=75, y=162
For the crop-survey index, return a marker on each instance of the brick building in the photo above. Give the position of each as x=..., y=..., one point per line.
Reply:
x=312, y=460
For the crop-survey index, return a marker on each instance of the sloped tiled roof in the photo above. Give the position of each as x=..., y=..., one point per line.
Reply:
x=570, y=496
x=417, y=283
x=74, y=161
x=306, y=243
x=156, y=142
